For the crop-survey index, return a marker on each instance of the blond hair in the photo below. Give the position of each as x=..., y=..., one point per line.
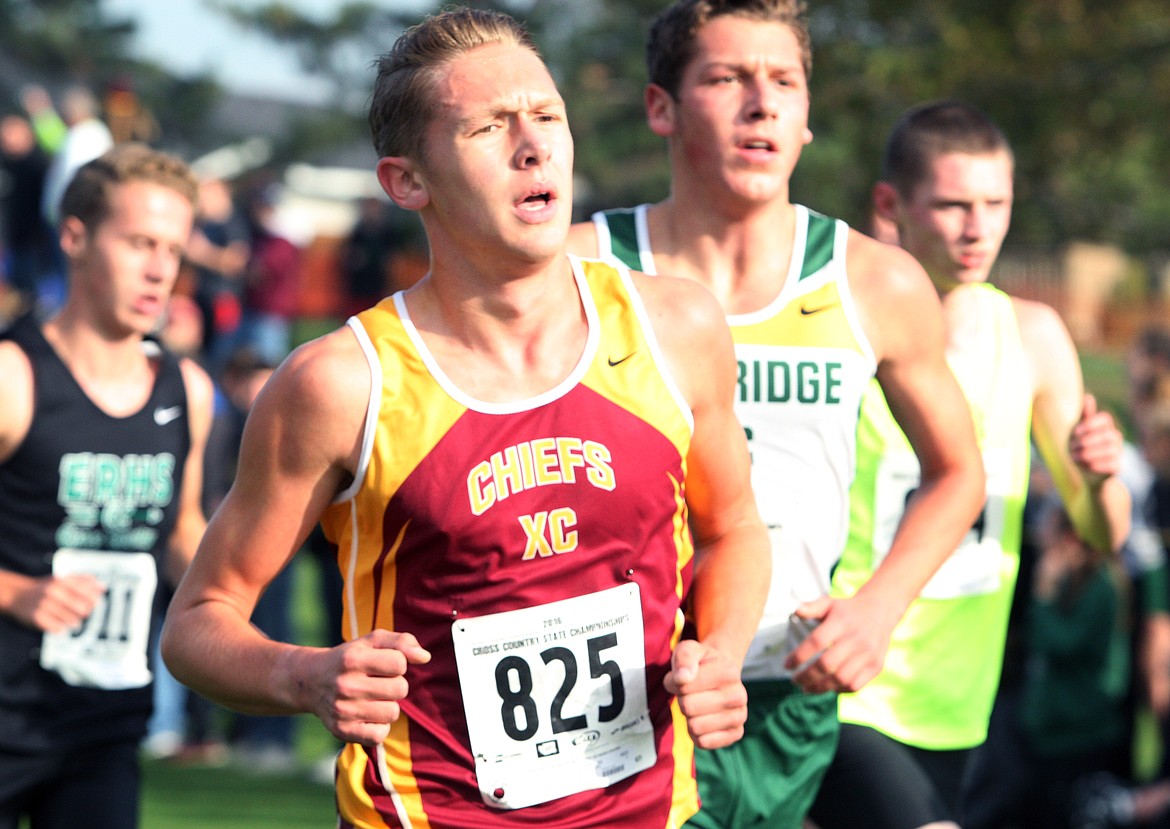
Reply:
x=90, y=192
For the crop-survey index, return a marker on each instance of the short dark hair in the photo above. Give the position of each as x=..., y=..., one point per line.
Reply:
x=670, y=44
x=403, y=101
x=90, y=191
x=933, y=129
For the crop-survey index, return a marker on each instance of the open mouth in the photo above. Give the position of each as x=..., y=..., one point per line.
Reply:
x=758, y=144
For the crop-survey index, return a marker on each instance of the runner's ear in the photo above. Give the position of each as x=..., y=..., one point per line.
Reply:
x=885, y=200
x=403, y=182
x=659, y=110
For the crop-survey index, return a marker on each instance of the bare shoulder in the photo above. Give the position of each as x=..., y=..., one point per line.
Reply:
x=16, y=397
x=877, y=270
x=894, y=296
x=316, y=399
x=200, y=390
x=1038, y=322
x=1049, y=346
x=692, y=331
x=15, y=366
x=330, y=373
x=583, y=239
x=679, y=304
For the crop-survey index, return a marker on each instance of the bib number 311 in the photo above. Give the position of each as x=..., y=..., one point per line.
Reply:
x=569, y=712
x=109, y=648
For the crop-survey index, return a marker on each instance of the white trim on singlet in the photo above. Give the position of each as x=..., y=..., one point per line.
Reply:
x=511, y=406
x=641, y=232
x=372, y=407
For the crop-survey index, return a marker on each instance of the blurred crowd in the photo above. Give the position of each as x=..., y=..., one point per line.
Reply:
x=1081, y=724
x=234, y=310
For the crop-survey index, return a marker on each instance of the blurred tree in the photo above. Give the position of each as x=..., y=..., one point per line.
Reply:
x=597, y=52
x=1080, y=86
x=339, y=46
x=51, y=35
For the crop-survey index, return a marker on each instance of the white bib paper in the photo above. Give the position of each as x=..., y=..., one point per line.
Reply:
x=976, y=565
x=555, y=697
x=109, y=649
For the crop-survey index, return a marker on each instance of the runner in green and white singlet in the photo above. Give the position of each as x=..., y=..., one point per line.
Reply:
x=804, y=364
x=816, y=311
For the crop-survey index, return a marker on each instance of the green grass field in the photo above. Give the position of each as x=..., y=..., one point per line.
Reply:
x=231, y=798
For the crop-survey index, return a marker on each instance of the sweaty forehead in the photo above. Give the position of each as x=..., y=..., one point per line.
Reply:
x=493, y=77
x=734, y=40
x=971, y=171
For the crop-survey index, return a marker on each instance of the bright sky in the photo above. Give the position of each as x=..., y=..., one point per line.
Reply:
x=189, y=38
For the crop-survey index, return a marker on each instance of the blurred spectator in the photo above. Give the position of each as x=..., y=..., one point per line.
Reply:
x=126, y=117
x=270, y=282
x=368, y=256
x=47, y=124
x=261, y=744
x=183, y=727
x=28, y=240
x=218, y=251
x=999, y=778
x=1073, y=707
x=1107, y=800
x=86, y=138
x=1145, y=464
x=1147, y=369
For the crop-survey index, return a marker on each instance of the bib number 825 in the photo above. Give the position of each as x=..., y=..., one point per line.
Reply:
x=514, y=683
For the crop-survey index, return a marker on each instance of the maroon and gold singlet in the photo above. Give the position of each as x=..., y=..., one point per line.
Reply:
x=539, y=550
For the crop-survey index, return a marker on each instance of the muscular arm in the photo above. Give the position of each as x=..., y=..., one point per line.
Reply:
x=1080, y=445
x=732, y=557
x=903, y=318
x=16, y=398
x=299, y=449
x=48, y=603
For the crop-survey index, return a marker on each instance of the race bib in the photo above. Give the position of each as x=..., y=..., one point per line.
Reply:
x=976, y=565
x=555, y=697
x=109, y=648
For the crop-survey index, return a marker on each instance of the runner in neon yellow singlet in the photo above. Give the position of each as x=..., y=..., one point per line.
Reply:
x=906, y=736
x=936, y=691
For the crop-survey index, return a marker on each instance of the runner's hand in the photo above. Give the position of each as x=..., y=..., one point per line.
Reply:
x=355, y=688
x=710, y=693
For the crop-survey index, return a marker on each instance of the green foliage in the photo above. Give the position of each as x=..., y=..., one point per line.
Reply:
x=1080, y=86
x=339, y=47
x=51, y=42
x=596, y=52
x=53, y=35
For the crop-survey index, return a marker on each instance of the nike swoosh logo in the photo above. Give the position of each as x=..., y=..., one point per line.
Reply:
x=807, y=311
x=164, y=416
x=612, y=362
